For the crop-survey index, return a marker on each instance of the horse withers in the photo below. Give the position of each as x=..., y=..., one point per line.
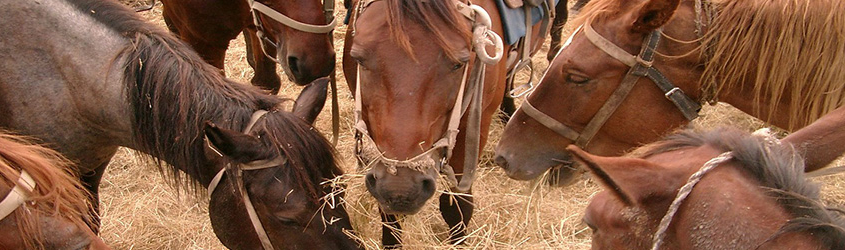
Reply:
x=296, y=35
x=42, y=205
x=720, y=189
x=115, y=80
x=636, y=70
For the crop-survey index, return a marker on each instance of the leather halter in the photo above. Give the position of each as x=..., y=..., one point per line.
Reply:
x=470, y=93
x=239, y=168
x=17, y=196
x=641, y=66
x=256, y=7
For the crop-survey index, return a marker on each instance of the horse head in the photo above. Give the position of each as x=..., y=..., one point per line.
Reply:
x=408, y=60
x=707, y=190
x=599, y=89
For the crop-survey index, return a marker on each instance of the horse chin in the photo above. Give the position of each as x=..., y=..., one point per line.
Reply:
x=563, y=175
x=403, y=210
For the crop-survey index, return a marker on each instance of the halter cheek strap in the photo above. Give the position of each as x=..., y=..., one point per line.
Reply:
x=17, y=196
x=253, y=165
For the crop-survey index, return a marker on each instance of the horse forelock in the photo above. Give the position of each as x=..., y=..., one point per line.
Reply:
x=783, y=50
x=778, y=168
x=426, y=13
x=57, y=192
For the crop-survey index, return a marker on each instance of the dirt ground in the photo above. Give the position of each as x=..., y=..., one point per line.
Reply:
x=143, y=211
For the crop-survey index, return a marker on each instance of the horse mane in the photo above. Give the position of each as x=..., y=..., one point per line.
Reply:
x=789, y=50
x=780, y=171
x=57, y=193
x=173, y=92
x=425, y=13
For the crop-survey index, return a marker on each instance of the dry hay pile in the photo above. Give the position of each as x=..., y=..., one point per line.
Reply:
x=142, y=211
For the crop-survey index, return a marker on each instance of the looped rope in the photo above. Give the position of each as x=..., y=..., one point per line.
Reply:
x=17, y=196
x=683, y=193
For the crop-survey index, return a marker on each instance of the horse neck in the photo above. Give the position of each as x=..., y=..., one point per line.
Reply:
x=173, y=93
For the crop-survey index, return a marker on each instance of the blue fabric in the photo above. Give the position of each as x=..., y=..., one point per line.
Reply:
x=513, y=20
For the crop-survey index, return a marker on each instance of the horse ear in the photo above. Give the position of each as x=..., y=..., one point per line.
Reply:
x=653, y=14
x=235, y=145
x=311, y=100
x=632, y=180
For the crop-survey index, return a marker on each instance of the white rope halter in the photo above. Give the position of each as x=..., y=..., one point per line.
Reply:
x=17, y=196
x=239, y=168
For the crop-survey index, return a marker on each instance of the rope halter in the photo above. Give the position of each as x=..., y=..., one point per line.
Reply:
x=239, y=168
x=256, y=7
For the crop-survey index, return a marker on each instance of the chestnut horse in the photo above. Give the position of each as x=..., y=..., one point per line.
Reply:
x=425, y=96
x=775, y=60
x=114, y=80
x=721, y=189
x=43, y=206
x=295, y=34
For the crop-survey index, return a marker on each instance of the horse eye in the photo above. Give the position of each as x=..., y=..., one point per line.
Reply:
x=457, y=66
x=576, y=79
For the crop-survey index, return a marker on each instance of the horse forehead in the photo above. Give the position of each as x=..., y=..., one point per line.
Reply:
x=685, y=159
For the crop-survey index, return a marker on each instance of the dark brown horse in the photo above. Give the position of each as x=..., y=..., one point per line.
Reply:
x=43, y=206
x=415, y=71
x=639, y=69
x=88, y=76
x=754, y=197
x=296, y=34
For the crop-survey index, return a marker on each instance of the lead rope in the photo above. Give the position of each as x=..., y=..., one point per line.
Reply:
x=683, y=193
x=17, y=196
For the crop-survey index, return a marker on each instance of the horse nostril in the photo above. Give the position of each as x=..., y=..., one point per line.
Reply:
x=293, y=64
x=371, y=180
x=428, y=185
x=501, y=161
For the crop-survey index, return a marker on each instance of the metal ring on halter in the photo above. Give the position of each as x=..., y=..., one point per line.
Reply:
x=482, y=36
x=262, y=39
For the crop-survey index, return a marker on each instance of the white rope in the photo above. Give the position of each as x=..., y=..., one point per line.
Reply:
x=683, y=193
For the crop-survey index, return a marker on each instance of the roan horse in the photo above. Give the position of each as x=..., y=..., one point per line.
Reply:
x=721, y=189
x=43, y=205
x=114, y=80
x=415, y=72
x=775, y=60
x=295, y=34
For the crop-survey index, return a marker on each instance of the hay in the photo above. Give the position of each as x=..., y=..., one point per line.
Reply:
x=141, y=211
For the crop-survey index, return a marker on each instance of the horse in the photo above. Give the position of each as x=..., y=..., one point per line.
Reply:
x=298, y=36
x=415, y=72
x=115, y=80
x=43, y=205
x=718, y=189
x=775, y=60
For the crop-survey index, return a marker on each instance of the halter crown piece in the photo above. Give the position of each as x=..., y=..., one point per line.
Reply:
x=469, y=93
x=239, y=168
x=17, y=196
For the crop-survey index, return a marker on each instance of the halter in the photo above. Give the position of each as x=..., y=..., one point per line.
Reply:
x=239, y=168
x=17, y=196
x=256, y=7
x=641, y=66
x=469, y=92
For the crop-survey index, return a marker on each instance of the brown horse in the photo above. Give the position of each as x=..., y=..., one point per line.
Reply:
x=780, y=66
x=415, y=71
x=48, y=208
x=754, y=197
x=296, y=35
x=114, y=80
